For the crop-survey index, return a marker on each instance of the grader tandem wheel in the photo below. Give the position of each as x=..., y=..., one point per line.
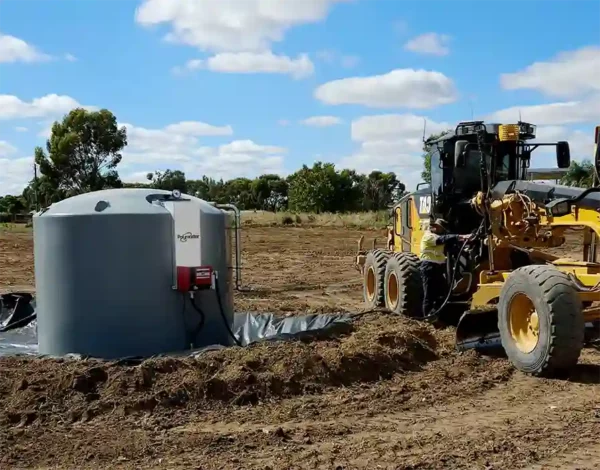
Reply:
x=538, y=318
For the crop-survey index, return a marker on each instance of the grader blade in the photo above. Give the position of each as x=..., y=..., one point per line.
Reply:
x=478, y=329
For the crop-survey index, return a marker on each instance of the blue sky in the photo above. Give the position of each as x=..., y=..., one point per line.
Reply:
x=228, y=87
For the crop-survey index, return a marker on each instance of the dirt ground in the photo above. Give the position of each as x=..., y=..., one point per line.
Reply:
x=386, y=393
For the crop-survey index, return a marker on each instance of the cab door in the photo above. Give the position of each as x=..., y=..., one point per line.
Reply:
x=403, y=227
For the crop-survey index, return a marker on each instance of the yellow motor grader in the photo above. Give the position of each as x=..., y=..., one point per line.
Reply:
x=505, y=285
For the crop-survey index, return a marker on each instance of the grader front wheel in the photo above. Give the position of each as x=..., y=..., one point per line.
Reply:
x=540, y=319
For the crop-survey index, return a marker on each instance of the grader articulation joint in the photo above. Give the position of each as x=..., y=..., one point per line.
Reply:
x=504, y=287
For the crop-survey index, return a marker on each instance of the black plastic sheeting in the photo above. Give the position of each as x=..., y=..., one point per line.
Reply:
x=18, y=328
x=250, y=328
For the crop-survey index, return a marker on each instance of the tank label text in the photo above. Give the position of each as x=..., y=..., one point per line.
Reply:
x=184, y=237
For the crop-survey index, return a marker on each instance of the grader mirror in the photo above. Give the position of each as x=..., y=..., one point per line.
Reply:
x=563, y=155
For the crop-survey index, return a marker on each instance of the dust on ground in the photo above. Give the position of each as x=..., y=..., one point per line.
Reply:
x=384, y=393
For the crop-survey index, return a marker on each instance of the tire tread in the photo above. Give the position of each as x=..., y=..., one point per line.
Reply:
x=406, y=265
x=380, y=259
x=565, y=312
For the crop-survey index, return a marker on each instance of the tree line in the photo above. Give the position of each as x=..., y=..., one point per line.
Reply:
x=84, y=150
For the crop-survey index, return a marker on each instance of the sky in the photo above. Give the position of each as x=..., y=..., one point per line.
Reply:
x=239, y=88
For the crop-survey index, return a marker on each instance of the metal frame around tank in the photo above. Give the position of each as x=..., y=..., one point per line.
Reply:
x=238, y=241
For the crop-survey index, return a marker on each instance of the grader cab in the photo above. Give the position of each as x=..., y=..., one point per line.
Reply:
x=506, y=286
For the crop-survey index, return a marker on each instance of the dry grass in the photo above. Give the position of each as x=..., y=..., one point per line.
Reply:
x=14, y=227
x=358, y=220
x=363, y=220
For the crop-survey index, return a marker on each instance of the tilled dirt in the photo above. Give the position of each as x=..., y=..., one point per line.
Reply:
x=384, y=393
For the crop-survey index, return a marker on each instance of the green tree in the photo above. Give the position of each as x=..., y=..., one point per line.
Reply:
x=381, y=190
x=12, y=205
x=270, y=192
x=580, y=174
x=313, y=189
x=349, y=188
x=208, y=189
x=168, y=180
x=83, y=152
x=42, y=192
x=238, y=191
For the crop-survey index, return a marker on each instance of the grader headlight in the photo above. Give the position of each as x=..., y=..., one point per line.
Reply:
x=509, y=132
x=559, y=207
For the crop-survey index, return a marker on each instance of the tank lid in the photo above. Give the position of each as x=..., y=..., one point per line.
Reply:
x=118, y=201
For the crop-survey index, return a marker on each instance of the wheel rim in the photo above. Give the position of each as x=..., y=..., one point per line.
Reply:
x=524, y=323
x=392, y=290
x=370, y=283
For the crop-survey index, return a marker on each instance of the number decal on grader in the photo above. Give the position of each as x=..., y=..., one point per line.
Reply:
x=425, y=205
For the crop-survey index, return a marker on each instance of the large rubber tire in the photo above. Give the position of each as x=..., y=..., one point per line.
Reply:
x=560, y=318
x=373, y=276
x=403, y=288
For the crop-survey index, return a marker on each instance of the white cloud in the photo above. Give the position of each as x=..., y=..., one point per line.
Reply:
x=387, y=156
x=350, y=61
x=197, y=128
x=231, y=25
x=568, y=74
x=15, y=174
x=327, y=55
x=581, y=143
x=392, y=127
x=429, y=43
x=21, y=129
x=241, y=158
x=409, y=88
x=245, y=147
x=137, y=176
x=251, y=62
x=283, y=122
x=174, y=142
x=330, y=56
x=177, y=147
x=321, y=121
x=70, y=58
x=189, y=66
x=558, y=113
x=391, y=142
x=6, y=148
x=13, y=49
x=11, y=107
x=46, y=129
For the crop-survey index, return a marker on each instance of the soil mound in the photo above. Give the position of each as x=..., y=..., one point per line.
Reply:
x=48, y=390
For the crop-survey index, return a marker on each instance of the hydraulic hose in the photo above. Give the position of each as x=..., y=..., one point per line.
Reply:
x=433, y=316
x=200, y=325
x=222, y=312
x=203, y=315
